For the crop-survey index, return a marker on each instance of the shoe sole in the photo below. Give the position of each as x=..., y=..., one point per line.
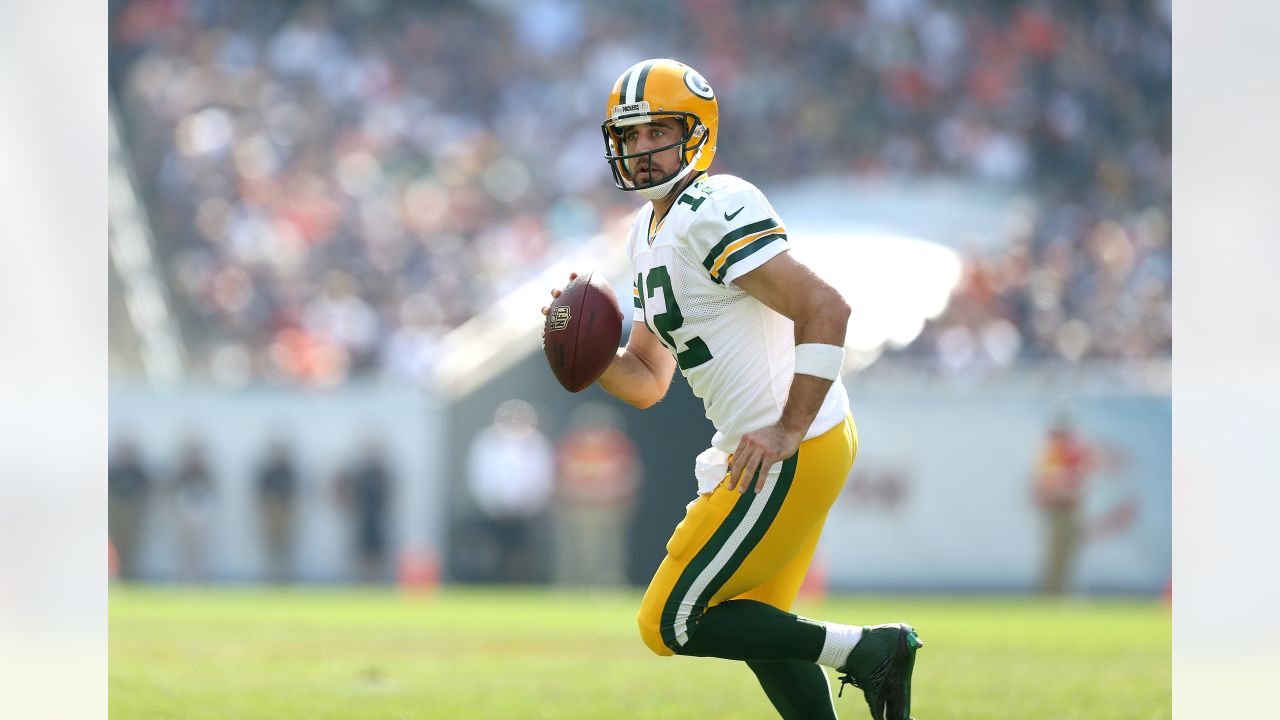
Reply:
x=898, y=700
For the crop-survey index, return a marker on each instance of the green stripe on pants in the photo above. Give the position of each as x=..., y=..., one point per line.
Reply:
x=721, y=557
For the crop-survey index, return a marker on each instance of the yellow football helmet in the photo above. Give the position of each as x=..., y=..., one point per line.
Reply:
x=661, y=88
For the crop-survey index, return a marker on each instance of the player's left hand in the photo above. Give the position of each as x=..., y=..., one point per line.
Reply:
x=757, y=451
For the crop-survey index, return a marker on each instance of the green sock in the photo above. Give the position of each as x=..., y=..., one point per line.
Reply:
x=797, y=689
x=751, y=630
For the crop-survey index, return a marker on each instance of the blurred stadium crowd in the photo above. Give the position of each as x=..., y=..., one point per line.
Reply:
x=333, y=186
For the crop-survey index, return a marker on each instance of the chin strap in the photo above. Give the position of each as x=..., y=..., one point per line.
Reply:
x=657, y=192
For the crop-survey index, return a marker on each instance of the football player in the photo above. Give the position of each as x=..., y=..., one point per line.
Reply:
x=760, y=338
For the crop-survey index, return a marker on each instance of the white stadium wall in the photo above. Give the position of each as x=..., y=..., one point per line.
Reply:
x=940, y=498
x=326, y=429
x=941, y=494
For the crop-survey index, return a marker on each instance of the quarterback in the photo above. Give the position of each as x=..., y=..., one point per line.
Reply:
x=760, y=339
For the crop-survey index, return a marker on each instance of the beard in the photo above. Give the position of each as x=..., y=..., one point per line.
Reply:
x=655, y=176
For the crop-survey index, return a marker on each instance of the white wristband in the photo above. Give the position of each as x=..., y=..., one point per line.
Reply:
x=819, y=360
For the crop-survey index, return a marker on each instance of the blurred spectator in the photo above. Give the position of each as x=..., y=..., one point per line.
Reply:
x=1046, y=298
x=598, y=474
x=510, y=477
x=366, y=489
x=128, y=485
x=1060, y=484
x=331, y=195
x=193, y=491
x=1066, y=465
x=277, y=481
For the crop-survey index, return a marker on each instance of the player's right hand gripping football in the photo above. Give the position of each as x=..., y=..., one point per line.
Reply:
x=555, y=293
x=581, y=330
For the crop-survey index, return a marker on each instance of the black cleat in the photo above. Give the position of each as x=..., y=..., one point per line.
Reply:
x=881, y=665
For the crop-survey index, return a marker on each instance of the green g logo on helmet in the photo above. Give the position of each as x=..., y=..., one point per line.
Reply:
x=697, y=84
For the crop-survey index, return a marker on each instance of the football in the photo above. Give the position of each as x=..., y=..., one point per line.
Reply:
x=582, y=331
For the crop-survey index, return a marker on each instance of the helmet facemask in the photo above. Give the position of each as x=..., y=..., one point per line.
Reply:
x=690, y=144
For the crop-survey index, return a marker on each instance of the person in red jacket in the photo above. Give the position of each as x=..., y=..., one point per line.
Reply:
x=1060, y=483
x=598, y=469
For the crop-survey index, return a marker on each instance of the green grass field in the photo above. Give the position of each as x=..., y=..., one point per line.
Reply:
x=358, y=655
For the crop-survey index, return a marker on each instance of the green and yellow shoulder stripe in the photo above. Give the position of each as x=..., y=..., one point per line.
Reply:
x=742, y=243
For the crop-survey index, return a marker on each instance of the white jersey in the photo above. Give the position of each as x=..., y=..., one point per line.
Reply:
x=737, y=354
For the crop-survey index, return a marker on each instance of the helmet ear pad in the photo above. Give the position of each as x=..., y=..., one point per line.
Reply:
x=694, y=129
x=697, y=131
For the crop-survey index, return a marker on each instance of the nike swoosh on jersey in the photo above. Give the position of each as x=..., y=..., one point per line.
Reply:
x=727, y=216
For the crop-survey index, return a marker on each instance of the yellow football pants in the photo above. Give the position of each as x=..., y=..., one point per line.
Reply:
x=753, y=546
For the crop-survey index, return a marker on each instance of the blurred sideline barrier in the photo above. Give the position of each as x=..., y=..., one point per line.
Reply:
x=326, y=432
x=942, y=495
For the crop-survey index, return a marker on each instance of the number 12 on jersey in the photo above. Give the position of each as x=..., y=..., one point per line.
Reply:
x=696, y=351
